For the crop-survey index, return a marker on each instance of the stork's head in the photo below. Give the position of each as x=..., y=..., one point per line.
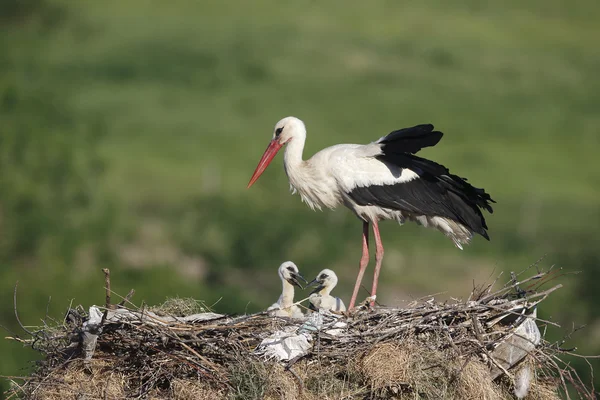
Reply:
x=327, y=279
x=285, y=130
x=288, y=271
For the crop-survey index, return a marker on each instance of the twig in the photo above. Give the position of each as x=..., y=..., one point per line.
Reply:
x=107, y=287
x=47, y=308
x=127, y=298
x=17, y=314
x=298, y=379
x=535, y=264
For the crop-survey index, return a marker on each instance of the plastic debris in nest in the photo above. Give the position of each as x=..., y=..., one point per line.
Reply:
x=521, y=342
x=285, y=345
x=296, y=341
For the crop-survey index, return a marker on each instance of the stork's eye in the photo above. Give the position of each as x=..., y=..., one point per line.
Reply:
x=278, y=131
x=291, y=269
x=324, y=276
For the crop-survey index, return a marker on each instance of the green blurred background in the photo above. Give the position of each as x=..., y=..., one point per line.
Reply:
x=129, y=130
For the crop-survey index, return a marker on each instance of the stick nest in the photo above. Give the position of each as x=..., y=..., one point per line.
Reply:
x=426, y=350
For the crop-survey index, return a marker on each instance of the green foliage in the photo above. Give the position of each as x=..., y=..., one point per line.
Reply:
x=119, y=113
x=43, y=12
x=14, y=9
x=228, y=224
x=49, y=170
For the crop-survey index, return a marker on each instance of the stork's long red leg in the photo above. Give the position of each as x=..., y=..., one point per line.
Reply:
x=378, y=259
x=364, y=261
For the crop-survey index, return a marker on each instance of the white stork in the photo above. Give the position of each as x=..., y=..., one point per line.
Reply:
x=381, y=180
x=321, y=298
x=290, y=277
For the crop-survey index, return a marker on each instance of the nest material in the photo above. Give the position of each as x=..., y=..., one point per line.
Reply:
x=427, y=350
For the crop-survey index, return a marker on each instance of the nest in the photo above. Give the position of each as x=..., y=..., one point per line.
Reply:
x=487, y=347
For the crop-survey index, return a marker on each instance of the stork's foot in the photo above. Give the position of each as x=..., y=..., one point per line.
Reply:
x=370, y=301
x=367, y=304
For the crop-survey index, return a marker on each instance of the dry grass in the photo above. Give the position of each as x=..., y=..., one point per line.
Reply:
x=392, y=370
x=75, y=382
x=411, y=367
x=541, y=390
x=180, y=307
x=282, y=385
x=473, y=383
x=185, y=389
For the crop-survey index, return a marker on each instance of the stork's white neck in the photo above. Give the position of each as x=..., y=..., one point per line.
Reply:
x=326, y=290
x=313, y=185
x=292, y=155
x=287, y=295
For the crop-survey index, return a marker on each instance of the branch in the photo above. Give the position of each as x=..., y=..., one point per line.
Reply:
x=127, y=298
x=107, y=286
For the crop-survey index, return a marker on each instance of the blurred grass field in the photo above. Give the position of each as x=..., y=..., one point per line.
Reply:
x=181, y=97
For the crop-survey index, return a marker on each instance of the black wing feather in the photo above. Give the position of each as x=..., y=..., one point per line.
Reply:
x=436, y=173
x=437, y=192
x=411, y=140
x=425, y=197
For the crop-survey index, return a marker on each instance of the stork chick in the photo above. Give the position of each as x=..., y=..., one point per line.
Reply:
x=321, y=298
x=290, y=277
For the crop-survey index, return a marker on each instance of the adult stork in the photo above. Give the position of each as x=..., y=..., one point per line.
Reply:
x=378, y=181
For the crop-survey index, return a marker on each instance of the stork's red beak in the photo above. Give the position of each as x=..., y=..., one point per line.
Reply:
x=265, y=160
